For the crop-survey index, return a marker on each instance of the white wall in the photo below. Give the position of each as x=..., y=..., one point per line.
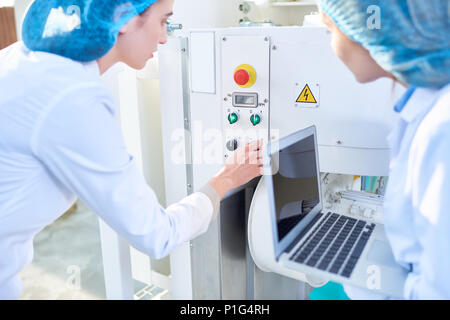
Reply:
x=6, y=3
x=206, y=13
x=212, y=13
x=20, y=7
x=225, y=13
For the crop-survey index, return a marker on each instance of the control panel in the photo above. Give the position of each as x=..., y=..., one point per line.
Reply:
x=245, y=79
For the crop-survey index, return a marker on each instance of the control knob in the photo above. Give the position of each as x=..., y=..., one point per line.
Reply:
x=232, y=145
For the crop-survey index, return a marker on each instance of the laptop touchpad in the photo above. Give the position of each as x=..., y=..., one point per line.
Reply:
x=380, y=253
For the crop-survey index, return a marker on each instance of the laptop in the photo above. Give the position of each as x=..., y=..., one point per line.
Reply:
x=335, y=247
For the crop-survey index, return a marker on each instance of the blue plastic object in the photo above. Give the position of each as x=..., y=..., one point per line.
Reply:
x=329, y=291
x=408, y=38
x=82, y=30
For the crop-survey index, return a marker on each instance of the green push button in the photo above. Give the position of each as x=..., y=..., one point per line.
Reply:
x=255, y=119
x=233, y=118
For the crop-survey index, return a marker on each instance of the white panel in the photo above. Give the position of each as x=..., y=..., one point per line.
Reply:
x=206, y=116
x=116, y=264
x=352, y=119
x=206, y=113
x=202, y=58
x=371, y=162
x=172, y=120
x=115, y=249
x=129, y=114
x=172, y=117
x=151, y=134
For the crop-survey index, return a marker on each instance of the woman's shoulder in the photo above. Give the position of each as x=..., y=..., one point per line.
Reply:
x=432, y=136
x=42, y=70
x=36, y=82
x=437, y=120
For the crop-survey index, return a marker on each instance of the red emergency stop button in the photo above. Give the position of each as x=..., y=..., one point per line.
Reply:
x=241, y=77
x=245, y=76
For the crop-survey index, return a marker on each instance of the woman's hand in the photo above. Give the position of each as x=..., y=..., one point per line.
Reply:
x=244, y=165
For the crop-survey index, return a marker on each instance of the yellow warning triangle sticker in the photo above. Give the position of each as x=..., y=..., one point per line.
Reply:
x=306, y=96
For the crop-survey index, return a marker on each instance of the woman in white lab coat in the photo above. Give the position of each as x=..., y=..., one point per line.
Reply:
x=408, y=41
x=60, y=136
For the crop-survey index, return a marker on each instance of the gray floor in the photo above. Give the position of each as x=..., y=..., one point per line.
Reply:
x=67, y=261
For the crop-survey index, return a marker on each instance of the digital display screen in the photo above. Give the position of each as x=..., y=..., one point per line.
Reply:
x=295, y=184
x=245, y=100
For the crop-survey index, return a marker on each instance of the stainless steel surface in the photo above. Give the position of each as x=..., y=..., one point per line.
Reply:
x=222, y=267
x=205, y=265
x=187, y=115
x=233, y=246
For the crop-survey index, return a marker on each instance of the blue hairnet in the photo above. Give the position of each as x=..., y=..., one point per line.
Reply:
x=412, y=40
x=82, y=30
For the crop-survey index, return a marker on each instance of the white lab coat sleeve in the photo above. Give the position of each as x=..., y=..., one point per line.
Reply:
x=430, y=182
x=79, y=141
x=214, y=197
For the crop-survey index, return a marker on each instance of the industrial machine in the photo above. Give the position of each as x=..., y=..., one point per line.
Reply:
x=221, y=88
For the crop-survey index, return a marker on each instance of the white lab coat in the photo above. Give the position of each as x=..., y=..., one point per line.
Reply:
x=60, y=139
x=417, y=201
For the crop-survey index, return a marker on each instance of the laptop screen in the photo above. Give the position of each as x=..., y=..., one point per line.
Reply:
x=295, y=184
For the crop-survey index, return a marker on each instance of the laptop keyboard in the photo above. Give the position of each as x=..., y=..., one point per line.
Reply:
x=335, y=244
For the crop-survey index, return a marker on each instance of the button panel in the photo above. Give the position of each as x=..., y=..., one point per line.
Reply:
x=245, y=66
